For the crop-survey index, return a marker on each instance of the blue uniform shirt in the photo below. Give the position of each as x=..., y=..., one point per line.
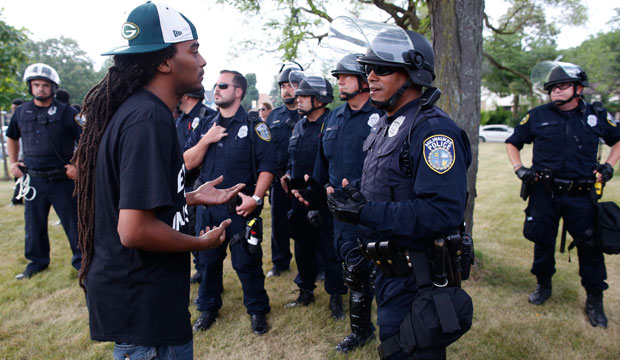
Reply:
x=340, y=152
x=281, y=122
x=427, y=200
x=186, y=123
x=49, y=135
x=565, y=142
x=303, y=146
x=232, y=155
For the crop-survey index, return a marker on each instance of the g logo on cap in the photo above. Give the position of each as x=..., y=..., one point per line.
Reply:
x=130, y=30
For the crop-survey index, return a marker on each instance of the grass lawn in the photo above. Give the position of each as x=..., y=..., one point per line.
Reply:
x=46, y=317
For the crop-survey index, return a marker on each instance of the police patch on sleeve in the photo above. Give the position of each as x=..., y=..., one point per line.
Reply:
x=80, y=119
x=525, y=119
x=439, y=153
x=610, y=119
x=263, y=131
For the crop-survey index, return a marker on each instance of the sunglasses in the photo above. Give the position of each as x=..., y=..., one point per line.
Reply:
x=561, y=86
x=224, y=86
x=380, y=70
x=262, y=109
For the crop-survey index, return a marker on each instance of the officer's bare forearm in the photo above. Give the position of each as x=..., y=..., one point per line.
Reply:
x=194, y=156
x=142, y=230
x=614, y=154
x=12, y=147
x=262, y=184
x=514, y=155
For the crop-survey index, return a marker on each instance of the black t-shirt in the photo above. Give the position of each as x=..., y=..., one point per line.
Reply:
x=135, y=296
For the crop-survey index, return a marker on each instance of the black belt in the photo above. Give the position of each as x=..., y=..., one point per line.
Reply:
x=55, y=174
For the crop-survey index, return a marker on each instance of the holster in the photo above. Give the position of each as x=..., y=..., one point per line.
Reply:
x=526, y=190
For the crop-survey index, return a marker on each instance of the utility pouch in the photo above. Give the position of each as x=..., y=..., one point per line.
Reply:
x=546, y=176
x=388, y=258
x=607, y=236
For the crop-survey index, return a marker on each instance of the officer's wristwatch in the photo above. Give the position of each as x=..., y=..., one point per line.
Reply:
x=259, y=200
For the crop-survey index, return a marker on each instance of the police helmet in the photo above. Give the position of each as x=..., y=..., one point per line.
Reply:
x=316, y=86
x=285, y=71
x=395, y=47
x=349, y=65
x=41, y=71
x=566, y=72
x=200, y=94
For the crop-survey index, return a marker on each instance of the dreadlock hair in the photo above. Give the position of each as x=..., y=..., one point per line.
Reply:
x=129, y=73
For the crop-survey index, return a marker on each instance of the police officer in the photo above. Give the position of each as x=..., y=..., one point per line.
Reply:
x=192, y=112
x=413, y=186
x=49, y=132
x=341, y=156
x=565, y=133
x=281, y=121
x=239, y=148
x=312, y=229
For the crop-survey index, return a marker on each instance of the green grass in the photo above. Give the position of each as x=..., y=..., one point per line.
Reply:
x=46, y=317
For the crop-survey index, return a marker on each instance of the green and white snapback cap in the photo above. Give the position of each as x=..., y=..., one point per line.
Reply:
x=152, y=27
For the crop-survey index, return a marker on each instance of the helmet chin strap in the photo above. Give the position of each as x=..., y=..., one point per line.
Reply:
x=558, y=103
x=384, y=105
x=312, y=109
x=347, y=96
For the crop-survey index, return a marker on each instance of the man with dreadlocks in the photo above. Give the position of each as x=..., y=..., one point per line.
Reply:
x=130, y=186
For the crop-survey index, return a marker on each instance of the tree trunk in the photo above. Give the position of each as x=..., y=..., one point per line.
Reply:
x=457, y=40
x=515, y=106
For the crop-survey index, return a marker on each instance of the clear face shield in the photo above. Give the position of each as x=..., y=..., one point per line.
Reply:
x=542, y=71
x=389, y=43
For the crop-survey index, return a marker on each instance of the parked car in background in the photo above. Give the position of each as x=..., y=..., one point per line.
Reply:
x=496, y=133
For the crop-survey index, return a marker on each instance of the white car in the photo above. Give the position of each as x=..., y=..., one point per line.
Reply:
x=497, y=132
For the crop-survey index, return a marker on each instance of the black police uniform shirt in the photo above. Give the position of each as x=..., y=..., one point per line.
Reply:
x=303, y=146
x=341, y=152
x=426, y=201
x=281, y=122
x=135, y=296
x=49, y=134
x=232, y=158
x=186, y=123
x=565, y=142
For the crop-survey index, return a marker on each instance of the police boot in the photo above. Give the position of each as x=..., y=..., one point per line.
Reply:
x=362, y=330
x=594, y=309
x=336, y=307
x=542, y=292
x=305, y=298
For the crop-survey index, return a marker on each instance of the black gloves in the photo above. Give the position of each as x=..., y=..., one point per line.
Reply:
x=314, y=194
x=527, y=175
x=314, y=218
x=346, y=204
x=606, y=171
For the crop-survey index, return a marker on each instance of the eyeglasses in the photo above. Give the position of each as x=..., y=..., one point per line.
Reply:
x=561, y=86
x=380, y=70
x=224, y=86
x=262, y=109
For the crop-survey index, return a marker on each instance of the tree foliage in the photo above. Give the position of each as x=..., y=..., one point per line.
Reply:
x=13, y=60
x=74, y=67
x=251, y=93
